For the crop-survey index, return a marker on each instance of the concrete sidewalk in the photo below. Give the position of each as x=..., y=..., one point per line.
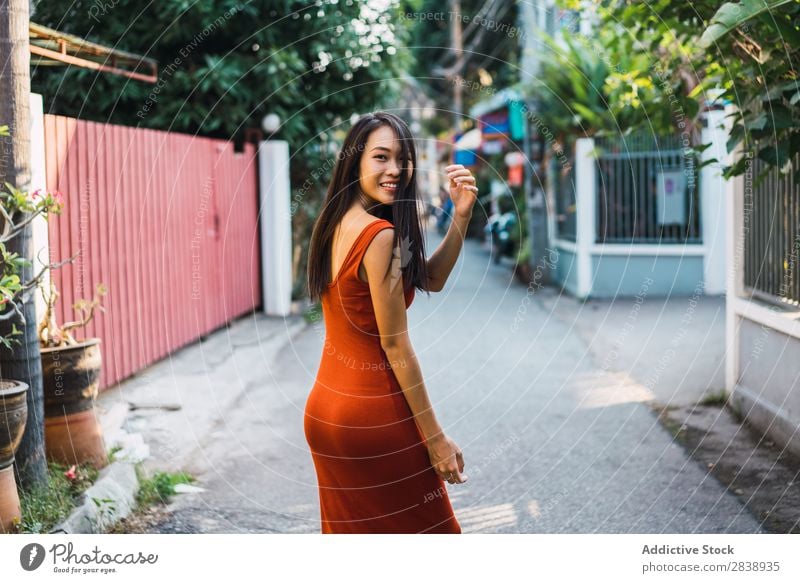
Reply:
x=168, y=415
x=179, y=404
x=672, y=350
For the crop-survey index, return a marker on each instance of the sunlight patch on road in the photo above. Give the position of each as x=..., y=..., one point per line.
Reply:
x=617, y=389
x=485, y=518
x=534, y=510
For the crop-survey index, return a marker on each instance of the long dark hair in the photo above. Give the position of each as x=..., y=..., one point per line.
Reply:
x=343, y=191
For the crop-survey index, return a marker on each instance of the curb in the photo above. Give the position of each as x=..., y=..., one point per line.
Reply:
x=112, y=497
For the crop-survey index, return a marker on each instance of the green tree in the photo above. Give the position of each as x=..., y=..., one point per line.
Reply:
x=635, y=72
x=21, y=361
x=745, y=53
x=224, y=64
x=756, y=47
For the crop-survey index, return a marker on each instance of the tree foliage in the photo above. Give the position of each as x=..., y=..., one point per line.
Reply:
x=632, y=73
x=654, y=65
x=755, y=50
x=224, y=64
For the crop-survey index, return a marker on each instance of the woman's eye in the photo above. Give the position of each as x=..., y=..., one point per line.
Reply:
x=402, y=161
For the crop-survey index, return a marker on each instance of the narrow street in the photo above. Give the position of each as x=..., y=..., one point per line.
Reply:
x=619, y=356
x=552, y=442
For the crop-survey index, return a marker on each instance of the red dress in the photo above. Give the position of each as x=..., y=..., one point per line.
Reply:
x=372, y=466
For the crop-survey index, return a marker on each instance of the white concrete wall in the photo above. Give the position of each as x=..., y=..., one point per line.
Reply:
x=762, y=340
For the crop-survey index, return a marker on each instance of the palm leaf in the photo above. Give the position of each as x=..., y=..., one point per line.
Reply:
x=733, y=14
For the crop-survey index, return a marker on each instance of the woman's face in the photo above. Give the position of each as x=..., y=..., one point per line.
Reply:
x=381, y=166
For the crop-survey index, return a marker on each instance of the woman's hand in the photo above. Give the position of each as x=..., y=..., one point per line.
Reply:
x=447, y=459
x=463, y=191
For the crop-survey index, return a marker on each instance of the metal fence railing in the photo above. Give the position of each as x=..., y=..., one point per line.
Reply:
x=647, y=191
x=771, y=222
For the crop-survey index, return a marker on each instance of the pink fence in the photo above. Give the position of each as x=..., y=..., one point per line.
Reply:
x=169, y=222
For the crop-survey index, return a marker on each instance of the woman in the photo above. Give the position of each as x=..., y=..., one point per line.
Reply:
x=380, y=455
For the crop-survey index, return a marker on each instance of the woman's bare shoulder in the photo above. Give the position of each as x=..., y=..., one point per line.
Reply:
x=354, y=224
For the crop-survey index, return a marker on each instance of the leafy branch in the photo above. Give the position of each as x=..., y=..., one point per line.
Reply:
x=50, y=334
x=17, y=211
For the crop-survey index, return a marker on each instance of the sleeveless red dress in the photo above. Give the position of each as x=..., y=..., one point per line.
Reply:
x=372, y=466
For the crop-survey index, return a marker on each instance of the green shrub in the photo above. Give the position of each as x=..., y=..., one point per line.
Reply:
x=43, y=508
x=158, y=488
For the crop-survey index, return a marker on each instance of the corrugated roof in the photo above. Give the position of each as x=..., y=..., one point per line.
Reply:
x=496, y=101
x=58, y=48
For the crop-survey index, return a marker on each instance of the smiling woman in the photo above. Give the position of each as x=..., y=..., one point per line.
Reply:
x=380, y=455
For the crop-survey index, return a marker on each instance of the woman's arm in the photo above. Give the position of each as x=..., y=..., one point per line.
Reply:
x=389, y=305
x=442, y=261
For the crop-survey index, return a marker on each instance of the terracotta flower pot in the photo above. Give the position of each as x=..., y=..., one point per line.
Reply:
x=71, y=376
x=13, y=418
x=10, y=511
x=523, y=272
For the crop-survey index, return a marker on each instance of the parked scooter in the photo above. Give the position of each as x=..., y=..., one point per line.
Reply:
x=500, y=232
x=444, y=217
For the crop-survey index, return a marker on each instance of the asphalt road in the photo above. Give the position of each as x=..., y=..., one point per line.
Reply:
x=553, y=441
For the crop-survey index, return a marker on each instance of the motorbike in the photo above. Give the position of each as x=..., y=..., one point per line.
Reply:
x=444, y=216
x=500, y=232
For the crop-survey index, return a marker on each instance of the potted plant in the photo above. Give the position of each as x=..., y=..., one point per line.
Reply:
x=71, y=377
x=17, y=210
x=14, y=409
x=522, y=267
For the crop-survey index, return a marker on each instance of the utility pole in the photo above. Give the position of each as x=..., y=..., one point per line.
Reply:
x=22, y=362
x=457, y=44
x=535, y=196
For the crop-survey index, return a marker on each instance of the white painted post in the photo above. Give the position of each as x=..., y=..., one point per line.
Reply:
x=276, y=227
x=585, y=201
x=737, y=220
x=713, y=202
x=41, y=238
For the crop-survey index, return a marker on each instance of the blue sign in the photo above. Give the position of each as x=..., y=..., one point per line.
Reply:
x=465, y=157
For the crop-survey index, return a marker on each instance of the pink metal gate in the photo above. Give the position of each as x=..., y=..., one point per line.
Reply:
x=169, y=222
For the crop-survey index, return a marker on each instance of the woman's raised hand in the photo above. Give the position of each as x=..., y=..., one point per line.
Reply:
x=463, y=191
x=447, y=459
